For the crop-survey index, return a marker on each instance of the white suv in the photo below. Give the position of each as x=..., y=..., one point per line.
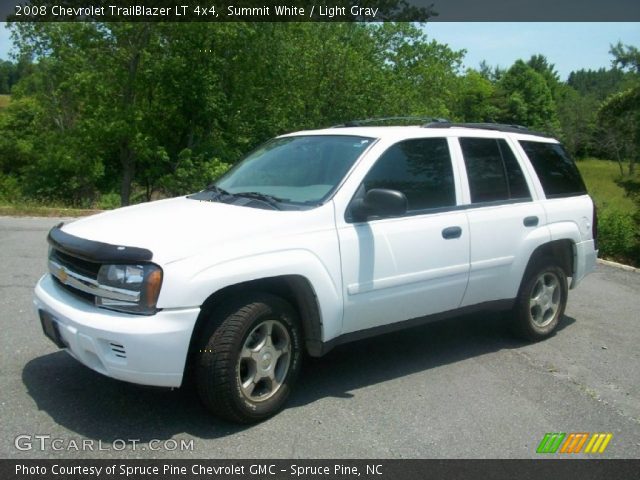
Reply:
x=318, y=238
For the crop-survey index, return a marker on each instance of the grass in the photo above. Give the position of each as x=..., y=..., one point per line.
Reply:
x=27, y=210
x=4, y=100
x=600, y=177
x=618, y=232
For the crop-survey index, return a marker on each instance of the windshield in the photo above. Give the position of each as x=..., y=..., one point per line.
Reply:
x=301, y=169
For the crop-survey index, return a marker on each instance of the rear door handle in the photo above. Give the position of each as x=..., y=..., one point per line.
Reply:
x=530, y=221
x=451, y=232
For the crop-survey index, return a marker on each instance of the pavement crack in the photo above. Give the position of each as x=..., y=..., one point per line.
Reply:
x=552, y=370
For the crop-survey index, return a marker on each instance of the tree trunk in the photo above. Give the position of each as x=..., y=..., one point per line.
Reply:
x=635, y=156
x=147, y=191
x=617, y=150
x=128, y=171
x=127, y=155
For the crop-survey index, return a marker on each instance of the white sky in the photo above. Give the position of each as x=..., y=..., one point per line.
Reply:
x=569, y=46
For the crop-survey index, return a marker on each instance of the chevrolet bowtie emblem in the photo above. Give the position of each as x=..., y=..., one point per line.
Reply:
x=62, y=275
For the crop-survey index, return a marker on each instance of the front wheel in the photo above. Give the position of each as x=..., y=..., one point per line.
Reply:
x=541, y=301
x=249, y=363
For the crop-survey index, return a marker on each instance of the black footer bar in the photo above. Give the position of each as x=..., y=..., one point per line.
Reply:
x=565, y=469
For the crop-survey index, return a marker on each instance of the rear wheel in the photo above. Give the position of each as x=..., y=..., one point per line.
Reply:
x=250, y=361
x=541, y=301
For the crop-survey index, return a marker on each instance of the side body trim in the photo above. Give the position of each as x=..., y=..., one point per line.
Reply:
x=495, y=305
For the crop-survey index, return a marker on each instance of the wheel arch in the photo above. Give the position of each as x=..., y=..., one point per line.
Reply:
x=295, y=289
x=563, y=251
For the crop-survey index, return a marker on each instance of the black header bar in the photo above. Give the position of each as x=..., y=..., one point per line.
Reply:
x=321, y=10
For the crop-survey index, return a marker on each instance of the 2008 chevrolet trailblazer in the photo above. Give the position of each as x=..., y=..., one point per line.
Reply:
x=318, y=238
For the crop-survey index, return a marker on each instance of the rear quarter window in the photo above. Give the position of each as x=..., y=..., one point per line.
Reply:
x=557, y=172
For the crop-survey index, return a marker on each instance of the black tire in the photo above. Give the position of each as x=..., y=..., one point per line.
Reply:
x=538, y=309
x=221, y=367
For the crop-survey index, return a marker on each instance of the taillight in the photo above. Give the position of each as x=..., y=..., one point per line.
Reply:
x=594, y=226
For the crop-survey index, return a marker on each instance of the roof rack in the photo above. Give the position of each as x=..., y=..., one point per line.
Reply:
x=500, y=127
x=385, y=120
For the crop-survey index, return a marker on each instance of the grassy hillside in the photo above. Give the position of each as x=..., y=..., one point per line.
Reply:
x=619, y=235
x=600, y=177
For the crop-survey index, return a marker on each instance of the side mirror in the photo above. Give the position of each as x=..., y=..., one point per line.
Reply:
x=379, y=202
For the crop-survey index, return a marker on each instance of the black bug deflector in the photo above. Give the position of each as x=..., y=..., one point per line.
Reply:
x=93, y=251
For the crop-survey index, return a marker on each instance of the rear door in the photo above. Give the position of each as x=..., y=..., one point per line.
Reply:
x=397, y=269
x=505, y=223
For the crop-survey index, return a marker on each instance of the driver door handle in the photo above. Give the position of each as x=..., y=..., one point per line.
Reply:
x=451, y=232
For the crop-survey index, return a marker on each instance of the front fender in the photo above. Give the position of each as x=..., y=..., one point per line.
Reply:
x=194, y=289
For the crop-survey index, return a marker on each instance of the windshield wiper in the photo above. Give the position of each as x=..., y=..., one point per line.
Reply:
x=216, y=189
x=263, y=197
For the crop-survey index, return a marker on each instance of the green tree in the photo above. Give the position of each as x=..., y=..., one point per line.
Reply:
x=125, y=95
x=598, y=83
x=620, y=117
x=158, y=108
x=475, y=99
x=9, y=76
x=493, y=74
x=619, y=114
x=584, y=131
x=525, y=98
x=420, y=74
x=577, y=116
x=626, y=57
x=548, y=71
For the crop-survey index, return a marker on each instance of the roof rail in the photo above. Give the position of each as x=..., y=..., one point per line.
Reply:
x=500, y=127
x=386, y=120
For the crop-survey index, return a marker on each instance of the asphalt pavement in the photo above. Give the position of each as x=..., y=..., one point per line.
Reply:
x=458, y=389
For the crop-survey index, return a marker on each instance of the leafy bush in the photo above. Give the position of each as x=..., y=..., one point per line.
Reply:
x=617, y=235
x=108, y=201
x=10, y=190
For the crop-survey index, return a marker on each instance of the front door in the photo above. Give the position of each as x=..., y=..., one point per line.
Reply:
x=406, y=267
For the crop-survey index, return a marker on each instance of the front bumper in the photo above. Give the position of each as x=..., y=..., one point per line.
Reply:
x=149, y=350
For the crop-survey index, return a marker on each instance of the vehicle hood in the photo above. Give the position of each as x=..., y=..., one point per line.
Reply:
x=177, y=228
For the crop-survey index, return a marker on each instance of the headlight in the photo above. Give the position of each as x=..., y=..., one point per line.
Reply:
x=129, y=288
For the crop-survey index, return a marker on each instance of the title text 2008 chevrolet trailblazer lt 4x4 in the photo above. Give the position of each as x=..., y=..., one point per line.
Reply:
x=315, y=239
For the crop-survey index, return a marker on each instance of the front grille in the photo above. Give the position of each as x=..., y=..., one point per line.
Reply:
x=75, y=292
x=76, y=265
x=80, y=277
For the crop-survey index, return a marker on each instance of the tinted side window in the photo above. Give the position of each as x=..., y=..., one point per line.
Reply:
x=518, y=187
x=420, y=168
x=493, y=171
x=557, y=172
x=485, y=170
